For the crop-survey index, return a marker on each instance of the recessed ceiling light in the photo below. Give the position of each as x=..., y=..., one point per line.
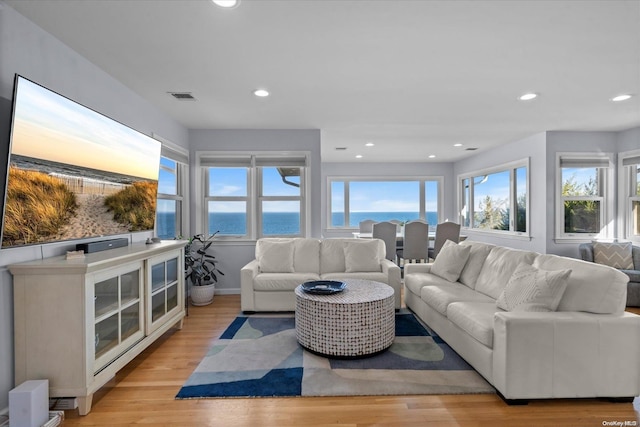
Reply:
x=457, y=145
x=262, y=93
x=227, y=4
x=358, y=156
x=369, y=144
x=621, y=98
x=528, y=96
x=432, y=156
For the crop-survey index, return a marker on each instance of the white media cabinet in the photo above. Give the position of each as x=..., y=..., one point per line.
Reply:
x=77, y=322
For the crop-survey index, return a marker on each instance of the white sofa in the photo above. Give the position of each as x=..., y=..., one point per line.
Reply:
x=281, y=264
x=588, y=347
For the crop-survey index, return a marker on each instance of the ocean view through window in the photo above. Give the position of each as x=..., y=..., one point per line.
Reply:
x=279, y=223
x=248, y=196
x=171, y=189
x=355, y=199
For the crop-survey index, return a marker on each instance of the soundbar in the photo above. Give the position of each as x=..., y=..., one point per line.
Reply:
x=102, y=245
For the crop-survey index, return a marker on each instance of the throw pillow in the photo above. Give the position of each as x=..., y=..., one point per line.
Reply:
x=450, y=261
x=533, y=289
x=277, y=257
x=617, y=255
x=361, y=255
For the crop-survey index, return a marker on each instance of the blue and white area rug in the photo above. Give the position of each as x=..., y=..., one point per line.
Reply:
x=258, y=356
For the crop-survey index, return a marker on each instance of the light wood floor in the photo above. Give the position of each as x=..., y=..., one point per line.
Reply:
x=143, y=394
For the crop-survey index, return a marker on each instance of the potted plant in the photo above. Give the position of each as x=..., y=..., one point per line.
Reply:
x=201, y=269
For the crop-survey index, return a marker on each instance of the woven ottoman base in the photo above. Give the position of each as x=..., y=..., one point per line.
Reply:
x=357, y=322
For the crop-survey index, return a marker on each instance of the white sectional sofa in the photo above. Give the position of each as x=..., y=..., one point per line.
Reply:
x=281, y=264
x=587, y=346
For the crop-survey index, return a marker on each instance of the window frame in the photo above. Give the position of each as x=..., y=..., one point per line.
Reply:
x=606, y=186
x=180, y=156
x=422, y=179
x=254, y=162
x=628, y=180
x=469, y=194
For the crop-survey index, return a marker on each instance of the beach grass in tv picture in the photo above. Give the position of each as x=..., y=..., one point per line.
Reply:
x=74, y=173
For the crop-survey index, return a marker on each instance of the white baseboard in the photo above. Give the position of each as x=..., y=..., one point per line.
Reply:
x=227, y=291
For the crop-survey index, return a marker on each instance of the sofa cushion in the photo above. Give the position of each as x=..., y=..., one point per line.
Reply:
x=475, y=318
x=332, y=256
x=450, y=261
x=591, y=287
x=477, y=256
x=275, y=256
x=306, y=255
x=361, y=255
x=281, y=281
x=616, y=255
x=376, y=276
x=634, y=275
x=498, y=268
x=533, y=289
x=415, y=282
x=439, y=297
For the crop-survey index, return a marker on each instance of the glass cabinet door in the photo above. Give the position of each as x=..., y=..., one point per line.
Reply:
x=117, y=312
x=166, y=276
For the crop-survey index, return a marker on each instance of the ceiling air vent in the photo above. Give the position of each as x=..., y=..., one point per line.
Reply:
x=182, y=96
x=341, y=148
x=471, y=149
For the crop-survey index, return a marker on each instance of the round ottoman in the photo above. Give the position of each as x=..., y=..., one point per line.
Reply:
x=359, y=321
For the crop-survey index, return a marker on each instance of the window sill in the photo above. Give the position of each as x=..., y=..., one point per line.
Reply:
x=574, y=240
x=497, y=234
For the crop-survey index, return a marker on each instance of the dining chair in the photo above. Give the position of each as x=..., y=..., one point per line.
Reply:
x=386, y=231
x=416, y=242
x=397, y=222
x=445, y=231
x=366, y=226
x=399, y=235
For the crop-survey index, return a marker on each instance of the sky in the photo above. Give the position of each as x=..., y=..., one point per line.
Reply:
x=51, y=127
x=391, y=196
x=383, y=196
x=232, y=182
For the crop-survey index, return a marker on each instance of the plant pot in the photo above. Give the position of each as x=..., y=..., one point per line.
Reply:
x=202, y=295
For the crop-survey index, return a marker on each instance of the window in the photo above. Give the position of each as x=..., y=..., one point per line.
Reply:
x=583, y=206
x=355, y=199
x=172, y=207
x=280, y=201
x=496, y=199
x=252, y=196
x=631, y=197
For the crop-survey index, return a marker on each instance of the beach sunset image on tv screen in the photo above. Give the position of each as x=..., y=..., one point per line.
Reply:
x=74, y=173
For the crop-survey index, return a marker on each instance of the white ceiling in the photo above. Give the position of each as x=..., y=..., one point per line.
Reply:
x=413, y=77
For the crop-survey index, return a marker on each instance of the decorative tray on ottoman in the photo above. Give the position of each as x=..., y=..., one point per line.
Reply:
x=323, y=287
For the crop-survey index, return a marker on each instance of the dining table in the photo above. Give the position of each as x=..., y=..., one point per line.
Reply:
x=399, y=236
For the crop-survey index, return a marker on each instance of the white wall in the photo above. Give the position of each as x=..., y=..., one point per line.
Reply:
x=354, y=169
x=233, y=256
x=28, y=50
x=628, y=140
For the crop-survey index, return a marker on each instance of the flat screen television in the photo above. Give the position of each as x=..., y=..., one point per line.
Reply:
x=74, y=173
